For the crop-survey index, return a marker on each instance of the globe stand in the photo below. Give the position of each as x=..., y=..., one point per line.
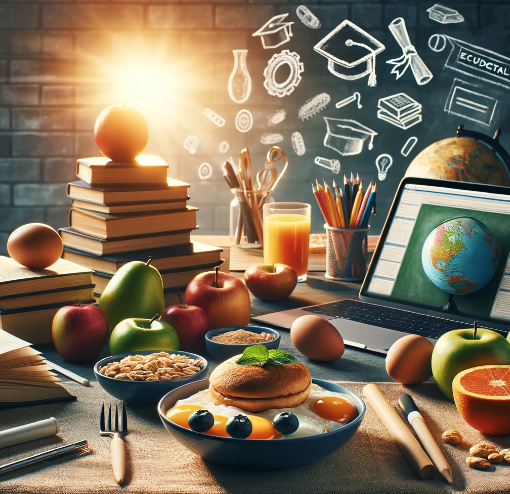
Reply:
x=451, y=306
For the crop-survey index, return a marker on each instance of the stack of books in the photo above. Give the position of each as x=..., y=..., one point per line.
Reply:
x=29, y=299
x=400, y=110
x=25, y=377
x=123, y=212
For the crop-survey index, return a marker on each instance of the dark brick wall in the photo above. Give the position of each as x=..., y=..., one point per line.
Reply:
x=56, y=60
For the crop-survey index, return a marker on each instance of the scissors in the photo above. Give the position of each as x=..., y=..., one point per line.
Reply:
x=268, y=178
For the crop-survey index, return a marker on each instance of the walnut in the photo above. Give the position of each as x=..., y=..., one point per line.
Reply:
x=495, y=457
x=482, y=450
x=506, y=454
x=478, y=463
x=452, y=436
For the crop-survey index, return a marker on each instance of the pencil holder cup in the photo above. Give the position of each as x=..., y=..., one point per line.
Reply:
x=242, y=228
x=346, y=253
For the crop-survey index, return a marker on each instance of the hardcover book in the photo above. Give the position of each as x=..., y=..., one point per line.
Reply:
x=146, y=169
x=172, y=190
x=99, y=247
x=102, y=225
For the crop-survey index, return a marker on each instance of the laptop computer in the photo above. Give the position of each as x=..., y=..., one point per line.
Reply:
x=397, y=297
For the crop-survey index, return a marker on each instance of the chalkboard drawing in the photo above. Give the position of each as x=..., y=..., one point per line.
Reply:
x=409, y=145
x=409, y=56
x=239, y=82
x=275, y=32
x=465, y=101
x=333, y=165
x=473, y=61
x=223, y=147
x=288, y=59
x=191, y=144
x=400, y=110
x=383, y=163
x=307, y=17
x=313, y=106
x=350, y=99
x=244, y=120
x=444, y=15
x=205, y=171
x=270, y=139
x=351, y=52
x=214, y=117
x=277, y=117
x=298, y=143
x=347, y=136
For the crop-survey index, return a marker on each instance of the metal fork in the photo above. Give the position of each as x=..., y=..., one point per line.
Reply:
x=118, y=452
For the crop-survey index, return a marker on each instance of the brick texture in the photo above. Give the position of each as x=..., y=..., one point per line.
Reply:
x=63, y=61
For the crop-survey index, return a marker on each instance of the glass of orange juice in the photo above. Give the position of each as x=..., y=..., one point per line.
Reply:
x=287, y=235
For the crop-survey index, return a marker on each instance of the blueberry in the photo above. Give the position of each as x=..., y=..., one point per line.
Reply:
x=201, y=420
x=286, y=423
x=239, y=426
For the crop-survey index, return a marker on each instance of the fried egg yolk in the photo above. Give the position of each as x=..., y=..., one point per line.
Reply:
x=334, y=408
x=262, y=428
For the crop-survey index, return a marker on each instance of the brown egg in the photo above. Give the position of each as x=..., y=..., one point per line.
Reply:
x=316, y=338
x=35, y=245
x=409, y=360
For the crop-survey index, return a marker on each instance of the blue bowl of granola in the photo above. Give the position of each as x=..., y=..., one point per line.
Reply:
x=144, y=377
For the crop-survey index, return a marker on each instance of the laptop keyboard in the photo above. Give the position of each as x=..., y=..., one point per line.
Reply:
x=389, y=318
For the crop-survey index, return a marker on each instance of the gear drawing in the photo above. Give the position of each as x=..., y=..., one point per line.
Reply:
x=278, y=60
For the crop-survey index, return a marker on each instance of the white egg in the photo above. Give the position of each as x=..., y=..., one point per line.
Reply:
x=305, y=429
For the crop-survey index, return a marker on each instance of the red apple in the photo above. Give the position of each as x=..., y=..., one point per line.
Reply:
x=80, y=333
x=191, y=323
x=270, y=281
x=223, y=296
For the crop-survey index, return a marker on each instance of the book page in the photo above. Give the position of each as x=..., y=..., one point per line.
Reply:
x=10, y=343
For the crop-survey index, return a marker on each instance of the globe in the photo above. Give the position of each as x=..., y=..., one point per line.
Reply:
x=462, y=159
x=460, y=256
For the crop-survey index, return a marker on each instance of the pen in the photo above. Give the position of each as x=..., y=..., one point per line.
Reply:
x=79, y=447
x=69, y=374
x=414, y=417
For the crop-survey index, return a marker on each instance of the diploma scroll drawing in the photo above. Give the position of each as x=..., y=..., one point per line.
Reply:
x=410, y=57
x=474, y=61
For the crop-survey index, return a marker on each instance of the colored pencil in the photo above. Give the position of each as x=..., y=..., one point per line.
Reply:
x=347, y=194
x=331, y=198
x=355, y=187
x=321, y=204
x=355, y=207
x=332, y=221
x=340, y=202
x=368, y=209
x=363, y=205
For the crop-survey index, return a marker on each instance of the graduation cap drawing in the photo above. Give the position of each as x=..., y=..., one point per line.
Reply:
x=351, y=52
x=275, y=32
x=347, y=136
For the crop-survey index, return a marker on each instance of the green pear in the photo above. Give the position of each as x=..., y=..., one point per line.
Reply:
x=135, y=291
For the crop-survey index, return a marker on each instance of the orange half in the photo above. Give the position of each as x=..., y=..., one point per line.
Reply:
x=482, y=397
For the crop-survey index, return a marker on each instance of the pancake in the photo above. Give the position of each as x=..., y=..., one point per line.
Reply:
x=255, y=388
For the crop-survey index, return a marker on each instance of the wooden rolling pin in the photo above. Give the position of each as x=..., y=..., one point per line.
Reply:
x=401, y=434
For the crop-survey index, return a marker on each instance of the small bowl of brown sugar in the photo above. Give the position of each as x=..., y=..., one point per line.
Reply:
x=224, y=343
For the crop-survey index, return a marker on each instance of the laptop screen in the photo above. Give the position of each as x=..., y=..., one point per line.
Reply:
x=445, y=251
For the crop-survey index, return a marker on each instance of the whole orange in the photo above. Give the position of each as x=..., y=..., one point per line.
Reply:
x=121, y=132
x=482, y=397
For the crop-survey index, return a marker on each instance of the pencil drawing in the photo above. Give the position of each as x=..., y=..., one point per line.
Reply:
x=314, y=106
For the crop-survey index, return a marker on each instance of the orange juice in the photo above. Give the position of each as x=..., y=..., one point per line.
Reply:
x=287, y=240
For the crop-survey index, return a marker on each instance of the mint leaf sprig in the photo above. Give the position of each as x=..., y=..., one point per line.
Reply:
x=260, y=355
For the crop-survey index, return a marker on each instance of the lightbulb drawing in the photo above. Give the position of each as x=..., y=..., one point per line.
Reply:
x=239, y=82
x=191, y=144
x=383, y=163
x=333, y=165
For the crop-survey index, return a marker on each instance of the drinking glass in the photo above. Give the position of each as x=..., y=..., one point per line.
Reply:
x=287, y=235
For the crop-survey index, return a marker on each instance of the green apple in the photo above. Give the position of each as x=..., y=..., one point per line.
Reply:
x=462, y=349
x=133, y=335
x=136, y=290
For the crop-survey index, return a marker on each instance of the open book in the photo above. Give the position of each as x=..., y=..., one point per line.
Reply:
x=25, y=378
